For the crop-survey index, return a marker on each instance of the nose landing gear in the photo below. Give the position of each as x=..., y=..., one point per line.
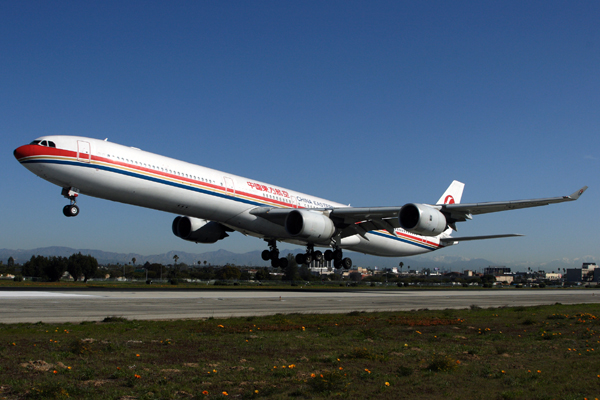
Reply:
x=71, y=210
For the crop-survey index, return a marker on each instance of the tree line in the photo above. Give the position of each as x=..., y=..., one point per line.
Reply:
x=53, y=268
x=85, y=267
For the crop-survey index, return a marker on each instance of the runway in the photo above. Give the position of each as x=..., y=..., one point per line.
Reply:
x=76, y=306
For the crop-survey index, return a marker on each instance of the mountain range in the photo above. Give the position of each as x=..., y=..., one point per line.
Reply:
x=253, y=258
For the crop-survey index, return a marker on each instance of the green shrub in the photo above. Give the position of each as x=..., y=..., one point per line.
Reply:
x=441, y=363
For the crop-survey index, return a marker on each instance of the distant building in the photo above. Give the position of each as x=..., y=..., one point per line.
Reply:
x=552, y=276
x=589, y=272
x=496, y=270
x=507, y=279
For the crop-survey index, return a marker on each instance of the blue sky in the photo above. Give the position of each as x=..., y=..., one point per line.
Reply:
x=370, y=103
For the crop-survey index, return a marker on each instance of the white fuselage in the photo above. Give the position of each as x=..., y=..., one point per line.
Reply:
x=129, y=175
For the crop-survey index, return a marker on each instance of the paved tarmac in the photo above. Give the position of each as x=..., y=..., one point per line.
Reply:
x=76, y=306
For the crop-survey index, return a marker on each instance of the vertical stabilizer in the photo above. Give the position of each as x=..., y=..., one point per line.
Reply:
x=453, y=194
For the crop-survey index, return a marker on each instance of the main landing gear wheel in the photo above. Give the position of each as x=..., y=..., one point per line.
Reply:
x=338, y=259
x=71, y=210
x=273, y=255
x=309, y=256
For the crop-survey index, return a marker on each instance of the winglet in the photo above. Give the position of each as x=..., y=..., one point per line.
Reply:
x=578, y=193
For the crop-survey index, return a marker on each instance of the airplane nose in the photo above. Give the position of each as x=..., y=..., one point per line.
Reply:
x=21, y=152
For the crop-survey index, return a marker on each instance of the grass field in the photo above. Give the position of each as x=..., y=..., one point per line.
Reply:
x=547, y=352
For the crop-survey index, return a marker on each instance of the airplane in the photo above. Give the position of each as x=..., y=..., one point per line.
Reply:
x=212, y=203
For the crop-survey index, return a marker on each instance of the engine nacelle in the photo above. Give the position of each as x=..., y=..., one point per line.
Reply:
x=198, y=230
x=422, y=219
x=310, y=225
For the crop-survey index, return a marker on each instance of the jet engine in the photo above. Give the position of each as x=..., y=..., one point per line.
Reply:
x=310, y=225
x=199, y=230
x=422, y=219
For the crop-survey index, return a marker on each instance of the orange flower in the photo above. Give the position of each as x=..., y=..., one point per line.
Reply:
x=313, y=375
x=205, y=392
x=225, y=394
x=387, y=384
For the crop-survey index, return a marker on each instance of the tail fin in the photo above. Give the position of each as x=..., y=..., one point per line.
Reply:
x=453, y=194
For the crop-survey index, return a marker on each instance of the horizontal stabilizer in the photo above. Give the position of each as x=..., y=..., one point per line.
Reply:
x=454, y=240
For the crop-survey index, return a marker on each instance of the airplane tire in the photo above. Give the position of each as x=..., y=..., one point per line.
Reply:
x=328, y=255
x=338, y=255
x=347, y=263
x=266, y=255
x=71, y=210
x=318, y=255
x=274, y=255
x=300, y=258
x=283, y=263
x=275, y=263
x=308, y=258
x=337, y=264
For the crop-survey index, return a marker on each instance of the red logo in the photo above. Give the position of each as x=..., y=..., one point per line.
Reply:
x=449, y=200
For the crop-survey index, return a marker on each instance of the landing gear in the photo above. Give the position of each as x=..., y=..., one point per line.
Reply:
x=309, y=256
x=336, y=255
x=338, y=258
x=273, y=255
x=71, y=210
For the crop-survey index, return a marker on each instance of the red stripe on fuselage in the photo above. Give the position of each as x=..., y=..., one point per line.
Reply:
x=35, y=150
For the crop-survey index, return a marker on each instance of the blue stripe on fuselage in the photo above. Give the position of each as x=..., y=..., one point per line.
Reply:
x=195, y=189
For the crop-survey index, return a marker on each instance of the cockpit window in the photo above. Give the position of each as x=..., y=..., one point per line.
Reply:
x=46, y=143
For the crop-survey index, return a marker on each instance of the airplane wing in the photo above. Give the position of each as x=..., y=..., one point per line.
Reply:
x=454, y=240
x=360, y=220
x=462, y=212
